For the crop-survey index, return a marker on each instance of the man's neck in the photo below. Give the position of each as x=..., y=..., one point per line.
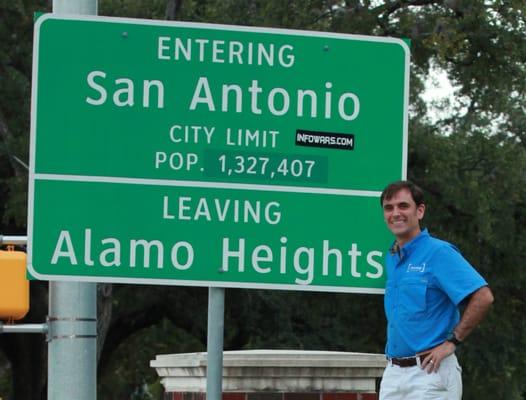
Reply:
x=401, y=241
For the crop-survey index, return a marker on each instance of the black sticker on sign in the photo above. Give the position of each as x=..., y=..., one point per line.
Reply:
x=331, y=140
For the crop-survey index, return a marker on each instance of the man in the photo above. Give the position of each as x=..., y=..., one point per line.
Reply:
x=427, y=280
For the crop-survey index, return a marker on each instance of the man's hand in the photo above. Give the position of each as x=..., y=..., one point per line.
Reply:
x=477, y=307
x=432, y=360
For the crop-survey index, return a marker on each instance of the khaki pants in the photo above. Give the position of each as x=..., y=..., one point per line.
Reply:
x=414, y=383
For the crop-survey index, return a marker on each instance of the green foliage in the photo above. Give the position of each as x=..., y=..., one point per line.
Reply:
x=6, y=389
x=16, y=20
x=129, y=373
x=299, y=320
x=154, y=9
x=477, y=199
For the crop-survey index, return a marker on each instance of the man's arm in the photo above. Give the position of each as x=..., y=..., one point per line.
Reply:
x=478, y=305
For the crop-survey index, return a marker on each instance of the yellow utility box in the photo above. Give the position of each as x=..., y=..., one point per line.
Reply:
x=14, y=287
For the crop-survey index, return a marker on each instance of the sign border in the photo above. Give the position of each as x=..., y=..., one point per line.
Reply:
x=221, y=27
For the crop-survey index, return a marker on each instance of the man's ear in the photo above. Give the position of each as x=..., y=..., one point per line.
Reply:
x=420, y=211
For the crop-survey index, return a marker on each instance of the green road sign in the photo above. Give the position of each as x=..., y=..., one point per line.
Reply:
x=193, y=154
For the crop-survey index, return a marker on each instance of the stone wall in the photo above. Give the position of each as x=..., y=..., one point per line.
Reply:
x=275, y=375
x=275, y=396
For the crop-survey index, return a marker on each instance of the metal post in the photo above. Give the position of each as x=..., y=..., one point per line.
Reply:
x=23, y=328
x=216, y=322
x=17, y=240
x=72, y=349
x=82, y=7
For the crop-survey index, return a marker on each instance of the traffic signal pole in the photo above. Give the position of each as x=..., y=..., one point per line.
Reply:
x=23, y=328
x=72, y=320
x=72, y=335
x=13, y=240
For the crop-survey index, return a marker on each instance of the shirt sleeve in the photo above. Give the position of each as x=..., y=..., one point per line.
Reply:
x=454, y=274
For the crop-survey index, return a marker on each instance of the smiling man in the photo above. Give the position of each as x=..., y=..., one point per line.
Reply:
x=427, y=281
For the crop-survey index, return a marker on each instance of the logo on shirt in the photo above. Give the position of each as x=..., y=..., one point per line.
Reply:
x=416, y=267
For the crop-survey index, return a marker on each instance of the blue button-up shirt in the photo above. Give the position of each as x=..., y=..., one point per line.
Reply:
x=426, y=281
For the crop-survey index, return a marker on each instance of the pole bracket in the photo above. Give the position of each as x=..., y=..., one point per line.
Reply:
x=83, y=328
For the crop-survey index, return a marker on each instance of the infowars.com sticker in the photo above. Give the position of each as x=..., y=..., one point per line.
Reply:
x=341, y=141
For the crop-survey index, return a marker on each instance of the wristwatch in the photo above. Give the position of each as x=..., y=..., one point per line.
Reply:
x=453, y=339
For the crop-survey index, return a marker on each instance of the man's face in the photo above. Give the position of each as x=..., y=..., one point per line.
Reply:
x=402, y=216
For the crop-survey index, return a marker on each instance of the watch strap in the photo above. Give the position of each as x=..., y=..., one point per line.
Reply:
x=451, y=337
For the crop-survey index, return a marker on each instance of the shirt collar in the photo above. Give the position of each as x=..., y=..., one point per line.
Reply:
x=409, y=246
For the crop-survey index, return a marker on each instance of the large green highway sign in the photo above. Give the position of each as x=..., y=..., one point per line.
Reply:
x=193, y=154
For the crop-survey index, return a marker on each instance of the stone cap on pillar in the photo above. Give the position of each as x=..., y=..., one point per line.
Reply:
x=274, y=370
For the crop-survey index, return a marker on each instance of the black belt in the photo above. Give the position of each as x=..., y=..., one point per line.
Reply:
x=408, y=361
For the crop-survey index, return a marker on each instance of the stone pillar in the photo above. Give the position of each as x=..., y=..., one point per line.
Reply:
x=275, y=375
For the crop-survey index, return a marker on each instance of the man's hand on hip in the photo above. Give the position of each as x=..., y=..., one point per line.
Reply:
x=432, y=360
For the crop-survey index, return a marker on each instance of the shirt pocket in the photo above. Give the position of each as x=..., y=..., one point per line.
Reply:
x=412, y=301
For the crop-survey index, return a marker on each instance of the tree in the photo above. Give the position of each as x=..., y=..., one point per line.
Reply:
x=477, y=199
x=25, y=352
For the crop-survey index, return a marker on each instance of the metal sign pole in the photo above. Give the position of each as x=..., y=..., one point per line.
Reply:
x=216, y=322
x=72, y=349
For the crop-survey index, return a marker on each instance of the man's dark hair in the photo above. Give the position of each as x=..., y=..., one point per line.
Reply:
x=395, y=187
